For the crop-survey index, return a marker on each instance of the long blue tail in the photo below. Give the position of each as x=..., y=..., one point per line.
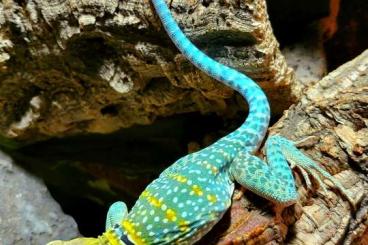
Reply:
x=250, y=134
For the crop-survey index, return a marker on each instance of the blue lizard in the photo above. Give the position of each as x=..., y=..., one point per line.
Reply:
x=192, y=195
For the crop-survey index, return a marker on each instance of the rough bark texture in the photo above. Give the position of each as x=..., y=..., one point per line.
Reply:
x=334, y=113
x=71, y=67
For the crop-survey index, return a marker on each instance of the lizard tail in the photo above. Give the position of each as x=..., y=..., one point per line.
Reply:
x=251, y=133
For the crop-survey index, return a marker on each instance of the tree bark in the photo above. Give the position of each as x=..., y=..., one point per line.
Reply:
x=333, y=113
x=70, y=67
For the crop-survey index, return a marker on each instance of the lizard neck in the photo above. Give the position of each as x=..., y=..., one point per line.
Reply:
x=251, y=133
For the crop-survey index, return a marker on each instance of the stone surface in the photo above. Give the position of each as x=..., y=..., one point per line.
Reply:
x=70, y=67
x=28, y=213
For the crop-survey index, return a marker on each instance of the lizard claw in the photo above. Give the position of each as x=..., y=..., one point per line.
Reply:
x=239, y=193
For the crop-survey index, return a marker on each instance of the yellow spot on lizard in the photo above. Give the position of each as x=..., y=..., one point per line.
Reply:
x=183, y=225
x=214, y=170
x=211, y=198
x=171, y=215
x=151, y=199
x=197, y=190
x=179, y=178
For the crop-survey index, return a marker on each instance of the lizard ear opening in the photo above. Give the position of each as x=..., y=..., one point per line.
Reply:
x=117, y=212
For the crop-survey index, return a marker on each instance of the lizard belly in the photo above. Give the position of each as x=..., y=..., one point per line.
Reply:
x=180, y=206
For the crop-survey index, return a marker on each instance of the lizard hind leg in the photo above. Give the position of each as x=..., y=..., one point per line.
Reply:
x=117, y=212
x=298, y=159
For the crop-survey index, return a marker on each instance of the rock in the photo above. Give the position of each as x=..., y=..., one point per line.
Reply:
x=28, y=213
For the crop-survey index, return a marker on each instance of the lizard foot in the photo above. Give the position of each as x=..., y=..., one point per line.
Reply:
x=117, y=212
x=308, y=168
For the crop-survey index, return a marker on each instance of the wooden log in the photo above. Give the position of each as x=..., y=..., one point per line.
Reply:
x=71, y=67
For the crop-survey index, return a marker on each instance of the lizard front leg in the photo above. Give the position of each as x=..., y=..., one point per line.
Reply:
x=117, y=212
x=277, y=144
x=274, y=180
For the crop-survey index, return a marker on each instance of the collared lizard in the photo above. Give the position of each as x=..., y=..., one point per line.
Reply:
x=192, y=195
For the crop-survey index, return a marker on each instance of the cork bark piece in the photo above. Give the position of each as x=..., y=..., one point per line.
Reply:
x=332, y=119
x=70, y=67
x=333, y=111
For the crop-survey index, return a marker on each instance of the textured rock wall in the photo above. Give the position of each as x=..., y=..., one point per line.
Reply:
x=28, y=214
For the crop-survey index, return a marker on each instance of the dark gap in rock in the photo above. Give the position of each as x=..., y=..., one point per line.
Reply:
x=293, y=23
x=206, y=3
x=89, y=215
x=112, y=110
x=82, y=53
x=219, y=39
x=157, y=83
x=291, y=20
x=20, y=2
